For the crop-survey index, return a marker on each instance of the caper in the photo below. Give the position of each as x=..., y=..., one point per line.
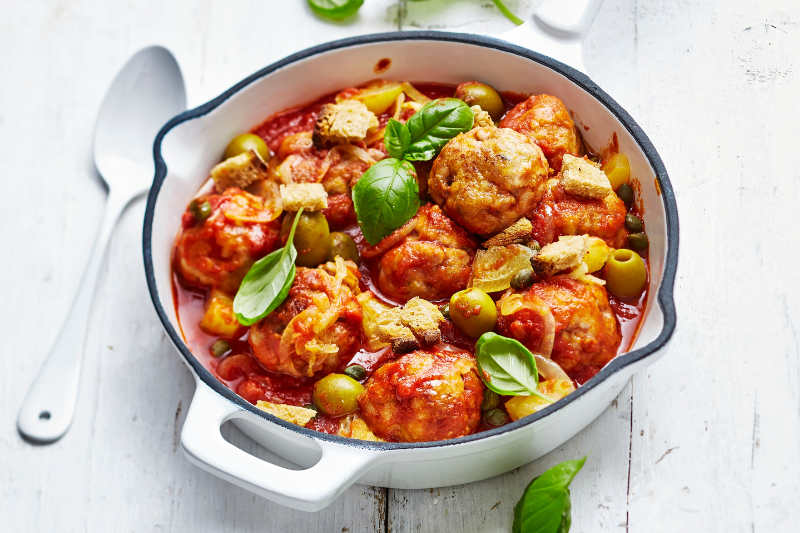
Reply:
x=483, y=96
x=357, y=372
x=246, y=142
x=200, y=210
x=490, y=400
x=633, y=223
x=312, y=238
x=625, y=273
x=625, y=194
x=344, y=246
x=522, y=279
x=533, y=245
x=337, y=394
x=638, y=241
x=445, y=310
x=220, y=348
x=473, y=312
x=496, y=417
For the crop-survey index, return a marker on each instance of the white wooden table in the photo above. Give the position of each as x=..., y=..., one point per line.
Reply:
x=705, y=440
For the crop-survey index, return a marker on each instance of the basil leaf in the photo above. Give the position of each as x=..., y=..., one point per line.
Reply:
x=545, y=506
x=266, y=285
x=507, y=367
x=396, y=138
x=507, y=12
x=385, y=198
x=335, y=9
x=435, y=124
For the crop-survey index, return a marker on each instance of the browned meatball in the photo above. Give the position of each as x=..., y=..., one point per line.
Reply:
x=219, y=250
x=586, y=330
x=488, y=178
x=317, y=328
x=429, y=257
x=424, y=396
x=560, y=213
x=546, y=121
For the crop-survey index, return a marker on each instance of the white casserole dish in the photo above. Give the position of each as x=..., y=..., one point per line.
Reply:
x=190, y=144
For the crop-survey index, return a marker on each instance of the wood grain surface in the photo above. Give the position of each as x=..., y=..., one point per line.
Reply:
x=705, y=440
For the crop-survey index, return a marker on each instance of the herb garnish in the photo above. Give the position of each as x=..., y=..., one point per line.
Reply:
x=266, y=285
x=428, y=130
x=545, y=506
x=335, y=9
x=396, y=138
x=507, y=367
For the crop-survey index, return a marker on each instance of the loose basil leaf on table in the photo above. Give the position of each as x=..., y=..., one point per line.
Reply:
x=385, y=198
x=396, y=138
x=436, y=123
x=507, y=367
x=545, y=506
x=266, y=285
x=335, y=9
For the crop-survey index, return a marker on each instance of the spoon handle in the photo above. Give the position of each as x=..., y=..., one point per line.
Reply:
x=46, y=412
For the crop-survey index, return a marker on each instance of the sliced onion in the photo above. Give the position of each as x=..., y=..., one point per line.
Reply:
x=390, y=240
x=414, y=94
x=549, y=368
x=284, y=170
x=398, y=105
x=356, y=152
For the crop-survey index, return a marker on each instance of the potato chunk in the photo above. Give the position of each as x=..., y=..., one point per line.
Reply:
x=219, y=318
x=555, y=389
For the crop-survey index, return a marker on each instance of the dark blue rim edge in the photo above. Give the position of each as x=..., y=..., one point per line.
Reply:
x=665, y=292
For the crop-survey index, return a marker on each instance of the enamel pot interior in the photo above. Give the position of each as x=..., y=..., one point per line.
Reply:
x=192, y=143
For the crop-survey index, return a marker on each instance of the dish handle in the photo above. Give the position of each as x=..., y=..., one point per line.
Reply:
x=557, y=30
x=307, y=490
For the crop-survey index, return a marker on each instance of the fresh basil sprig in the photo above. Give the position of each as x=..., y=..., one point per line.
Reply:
x=545, y=506
x=266, y=285
x=507, y=367
x=385, y=198
x=335, y=9
x=428, y=130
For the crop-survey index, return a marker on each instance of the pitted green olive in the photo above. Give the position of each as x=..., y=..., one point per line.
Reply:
x=473, y=312
x=344, y=246
x=312, y=238
x=482, y=95
x=625, y=273
x=337, y=394
x=246, y=142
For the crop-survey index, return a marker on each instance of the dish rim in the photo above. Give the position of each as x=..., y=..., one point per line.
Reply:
x=664, y=294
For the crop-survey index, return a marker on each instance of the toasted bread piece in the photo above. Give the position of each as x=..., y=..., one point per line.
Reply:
x=517, y=233
x=291, y=413
x=566, y=253
x=309, y=196
x=581, y=177
x=349, y=121
x=239, y=171
x=423, y=318
x=482, y=118
x=391, y=328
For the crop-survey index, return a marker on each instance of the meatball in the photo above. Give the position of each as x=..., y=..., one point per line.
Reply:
x=424, y=396
x=430, y=257
x=546, y=121
x=317, y=327
x=488, y=178
x=218, y=251
x=586, y=331
x=560, y=213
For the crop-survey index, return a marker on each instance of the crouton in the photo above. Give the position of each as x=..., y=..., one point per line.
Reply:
x=423, y=318
x=482, y=118
x=581, y=178
x=568, y=252
x=309, y=196
x=517, y=233
x=239, y=171
x=349, y=121
x=353, y=427
x=391, y=328
x=291, y=413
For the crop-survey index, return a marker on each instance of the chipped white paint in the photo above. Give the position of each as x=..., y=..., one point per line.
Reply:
x=705, y=440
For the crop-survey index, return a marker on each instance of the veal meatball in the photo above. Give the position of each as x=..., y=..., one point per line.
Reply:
x=429, y=257
x=488, y=178
x=317, y=327
x=585, y=333
x=560, y=213
x=219, y=250
x=424, y=396
x=546, y=121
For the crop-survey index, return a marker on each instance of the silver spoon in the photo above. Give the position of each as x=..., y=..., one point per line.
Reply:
x=147, y=92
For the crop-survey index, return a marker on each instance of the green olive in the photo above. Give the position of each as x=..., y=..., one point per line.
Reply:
x=473, y=312
x=312, y=238
x=638, y=241
x=496, y=417
x=625, y=194
x=337, y=394
x=445, y=310
x=490, y=400
x=482, y=95
x=246, y=142
x=633, y=223
x=522, y=279
x=357, y=372
x=200, y=210
x=344, y=246
x=625, y=273
x=220, y=348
